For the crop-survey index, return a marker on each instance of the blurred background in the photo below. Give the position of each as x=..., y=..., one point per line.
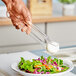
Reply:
x=58, y=21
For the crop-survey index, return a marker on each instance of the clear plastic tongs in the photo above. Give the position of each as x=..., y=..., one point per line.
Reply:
x=50, y=45
x=42, y=37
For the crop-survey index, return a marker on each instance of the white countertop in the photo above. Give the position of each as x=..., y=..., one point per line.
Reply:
x=7, y=59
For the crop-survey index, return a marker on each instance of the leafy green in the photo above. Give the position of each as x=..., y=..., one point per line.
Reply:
x=36, y=63
x=53, y=70
x=49, y=59
x=56, y=60
x=21, y=63
x=63, y=66
x=43, y=68
x=42, y=58
x=25, y=65
x=67, y=1
x=61, y=62
x=66, y=68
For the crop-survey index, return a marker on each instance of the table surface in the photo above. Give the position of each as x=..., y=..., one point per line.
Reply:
x=7, y=59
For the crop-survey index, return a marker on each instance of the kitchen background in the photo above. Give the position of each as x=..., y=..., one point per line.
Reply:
x=1, y=3
x=12, y=40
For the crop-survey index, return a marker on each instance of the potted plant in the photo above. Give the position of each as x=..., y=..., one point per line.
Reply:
x=68, y=7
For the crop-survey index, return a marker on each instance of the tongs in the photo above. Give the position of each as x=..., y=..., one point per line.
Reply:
x=44, y=39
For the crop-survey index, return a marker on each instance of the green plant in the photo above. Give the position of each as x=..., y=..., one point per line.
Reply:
x=67, y=1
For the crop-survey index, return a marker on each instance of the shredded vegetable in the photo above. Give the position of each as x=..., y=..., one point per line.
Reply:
x=42, y=65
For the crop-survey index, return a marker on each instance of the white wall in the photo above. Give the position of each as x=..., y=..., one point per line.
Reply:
x=63, y=32
x=15, y=40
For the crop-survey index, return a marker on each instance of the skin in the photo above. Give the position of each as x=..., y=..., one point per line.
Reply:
x=19, y=15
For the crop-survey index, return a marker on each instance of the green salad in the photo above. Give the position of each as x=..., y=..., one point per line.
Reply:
x=42, y=65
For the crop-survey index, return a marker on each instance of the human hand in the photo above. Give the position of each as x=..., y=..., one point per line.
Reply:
x=19, y=15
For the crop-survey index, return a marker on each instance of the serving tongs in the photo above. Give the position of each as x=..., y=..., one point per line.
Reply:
x=44, y=39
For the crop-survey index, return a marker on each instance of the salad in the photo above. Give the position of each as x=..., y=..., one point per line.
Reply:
x=42, y=65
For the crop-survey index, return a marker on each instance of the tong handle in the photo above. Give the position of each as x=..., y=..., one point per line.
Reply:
x=45, y=37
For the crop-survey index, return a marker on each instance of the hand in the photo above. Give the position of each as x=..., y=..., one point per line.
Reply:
x=19, y=15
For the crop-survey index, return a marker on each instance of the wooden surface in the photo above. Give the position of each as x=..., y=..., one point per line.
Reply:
x=40, y=7
x=54, y=19
x=6, y=21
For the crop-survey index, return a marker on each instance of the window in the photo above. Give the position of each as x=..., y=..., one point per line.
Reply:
x=1, y=3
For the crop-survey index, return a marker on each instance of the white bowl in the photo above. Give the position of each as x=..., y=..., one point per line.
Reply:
x=68, y=63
